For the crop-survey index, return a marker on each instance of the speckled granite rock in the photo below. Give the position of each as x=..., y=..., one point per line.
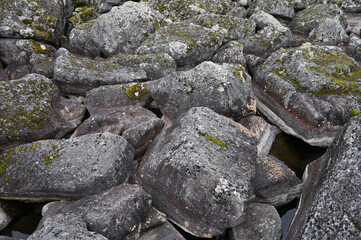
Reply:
x=278, y=8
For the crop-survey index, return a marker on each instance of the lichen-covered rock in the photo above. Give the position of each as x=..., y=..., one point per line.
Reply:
x=104, y=6
x=330, y=202
x=79, y=75
x=224, y=88
x=188, y=44
x=211, y=157
x=354, y=48
x=179, y=10
x=71, y=110
x=274, y=182
x=231, y=52
x=79, y=16
x=117, y=213
x=69, y=168
x=346, y=5
x=328, y=32
x=310, y=18
x=155, y=65
x=125, y=28
x=233, y=28
x=278, y=8
x=42, y=20
x=261, y=221
x=263, y=19
x=239, y=12
x=309, y=92
x=80, y=41
x=29, y=111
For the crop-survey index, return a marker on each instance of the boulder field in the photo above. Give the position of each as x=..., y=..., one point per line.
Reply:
x=156, y=119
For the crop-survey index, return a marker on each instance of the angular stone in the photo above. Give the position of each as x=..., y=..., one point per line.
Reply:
x=65, y=169
x=72, y=111
x=353, y=24
x=239, y=12
x=80, y=15
x=179, y=10
x=79, y=75
x=188, y=44
x=210, y=156
x=224, y=88
x=309, y=18
x=263, y=19
x=309, y=91
x=328, y=32
x=354, y=48
x=104, y=6
x=42, y=20
x=261, y=221
x=165, y=231
x=278, y=8
x=16, y=72
x=114, y=214
x=30, y=111
x=274, y=182
x=231, y=52
x=3, y=75
x=125, y=28
x=330, y=202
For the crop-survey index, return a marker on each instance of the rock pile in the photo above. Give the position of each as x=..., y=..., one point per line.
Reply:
x=154, y=119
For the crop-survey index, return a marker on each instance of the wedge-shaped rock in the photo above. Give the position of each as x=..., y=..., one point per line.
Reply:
x=43, y=20
x=225, y=88
x=30, y=111
x=328, y=32
x=71, y=168
x=278, y=8
x=124, y=28
x=309, y=92
x=80, y=41
x=199, y=171
x=330, y=202
x=188, y=44
x=79, y=75
x=231, y=52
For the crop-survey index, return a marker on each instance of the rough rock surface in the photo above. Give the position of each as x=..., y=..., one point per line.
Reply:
x=261, y=221
x=328, y=32
x=70, y=168
x=309, y=92
x=224, y=88
x=278, y=8
x=188, y=44
x=354, y=48
x=79, y=75
x=30, y=111
x=124, y=28
x=211, y=159
x=330, y=203
x=231, y=52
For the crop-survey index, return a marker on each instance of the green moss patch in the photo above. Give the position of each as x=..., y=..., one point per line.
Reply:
x=216, y=141
x=137, y=91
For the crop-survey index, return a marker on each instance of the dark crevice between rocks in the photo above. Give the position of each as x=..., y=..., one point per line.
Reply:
x=189, y=236
x=24, y=225
x=287, y=212
x=295, y=153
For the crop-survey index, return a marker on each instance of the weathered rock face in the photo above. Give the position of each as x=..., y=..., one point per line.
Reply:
x=42, y=20
x=165, y=231
x=231, y=52
x=309, y=92
x=70, y=168
x=261, y=221
x=211, y=157
x=278, y=8
x=124, y=28
x=179, y=10
x=30, y=111
x=79, y=75
x=330, y=202
x=354, y=48
x=224, y=88
x=328, y=32
x=188, y=44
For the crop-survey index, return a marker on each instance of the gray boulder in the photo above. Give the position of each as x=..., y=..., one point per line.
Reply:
x=65, y=169
x=231, y=52
x=330, y=202
x=79, y=75
x=165, y=231
x=309, y=18
x=188, y=44
x=261, y=221
x=224, y=88
x=125, y=28
x=71, y=110
x=274, y=182
x=263, y=19
x=354, y=48
x=239, y=12
x=211, y=157
x=328, y=32
x=42, y=20
x=30, y=111
x=278, y=8
x=354, y=24
x=309, y=91
x=104, y=6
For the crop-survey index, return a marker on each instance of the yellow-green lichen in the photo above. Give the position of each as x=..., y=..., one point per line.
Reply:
x=354, y=112
x=137, y=91
x=216, y=141
x=33, y=147
x=5, y=157
x=54, y=153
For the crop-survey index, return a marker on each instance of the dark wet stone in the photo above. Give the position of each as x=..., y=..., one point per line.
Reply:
x=3, y=76
x=42, y=20
x=30, y=111
x=309, y=92
x=278, y=8
x=79, y=75
x=188, y=44
x=8, y=211
x=261, y=221
x=210, y=156
x=166, y=231
x=125, y=28
x=354, y=48
x=224, y=88
x=330, y=202
x=117, y=213
x=274, y=182
x=64, y=169
x=328, y=32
